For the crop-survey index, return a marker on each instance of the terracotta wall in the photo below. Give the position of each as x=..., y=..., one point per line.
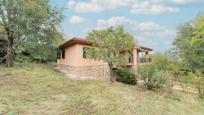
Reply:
x=74, y=57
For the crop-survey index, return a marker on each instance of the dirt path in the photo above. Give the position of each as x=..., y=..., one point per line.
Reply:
x=180, y=87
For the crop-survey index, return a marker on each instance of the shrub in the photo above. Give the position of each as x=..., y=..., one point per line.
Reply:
x=174, y=70
x=200, y=88
x=152, y=77
x=125, y=75
x=160, y=60
x=199, y=83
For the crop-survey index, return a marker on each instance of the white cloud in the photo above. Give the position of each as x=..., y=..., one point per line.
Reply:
x=148, y=8
x=183, y=1
x=95, y=6
x=173, y=1
x=156, y=34
x=135, y=6
x=76, y=20
x=85, y=7
x=115, y=21
x=148, y=26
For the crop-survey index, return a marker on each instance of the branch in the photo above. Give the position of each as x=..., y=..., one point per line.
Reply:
x=19, y=42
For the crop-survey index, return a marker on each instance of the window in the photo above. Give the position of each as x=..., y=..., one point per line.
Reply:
x=63, y=54
x=130, y=60
x=85, y=52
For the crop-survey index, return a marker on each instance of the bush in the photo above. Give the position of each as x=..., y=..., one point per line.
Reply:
x=160, y=60
x=200, y=88
x=125, y=75
x=199, y=83
x=152, y=77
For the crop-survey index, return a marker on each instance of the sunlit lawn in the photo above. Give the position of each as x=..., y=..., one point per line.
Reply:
x=39, y=90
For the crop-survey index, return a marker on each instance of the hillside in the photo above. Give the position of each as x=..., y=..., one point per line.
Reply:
x=38, y=89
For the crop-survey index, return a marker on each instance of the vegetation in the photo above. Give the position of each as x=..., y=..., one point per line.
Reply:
x=45, y=91
x=190, y=52
x=2, y=49
x=190, y=45
x=108, y=45
x=152, y=77
x=161, y=61
x=125, y=75
x=30, y=28
x=199, y=83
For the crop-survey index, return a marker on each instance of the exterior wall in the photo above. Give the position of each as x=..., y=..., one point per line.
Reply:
x=70, y=56
x=95, y=71
x=74, y=63
x=85, y=61
x=135, y=57
x=74, y=57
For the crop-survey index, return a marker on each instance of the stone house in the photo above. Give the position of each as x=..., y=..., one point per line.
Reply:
x=72, y=59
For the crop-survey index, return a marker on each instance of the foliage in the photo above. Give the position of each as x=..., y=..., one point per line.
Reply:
x=108, y=45
x=174, y=70
x=125, y=75
x=198, y=42
x=161, y=61
x=30, y=26
x=199, y=83
x=2, y=43
x=184, y=45
x=175, y=63
x=2, y=48
x=190, y=44
x=152, y=77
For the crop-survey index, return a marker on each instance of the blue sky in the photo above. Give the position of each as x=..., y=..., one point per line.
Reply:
x=152, y=22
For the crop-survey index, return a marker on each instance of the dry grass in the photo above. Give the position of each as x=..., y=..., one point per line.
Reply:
x=39, y=90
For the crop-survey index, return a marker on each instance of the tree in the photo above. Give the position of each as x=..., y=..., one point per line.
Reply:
x=198, y=42
x=190, y=44
x=184, y=45
x=108, y=45
x=27, y=24
x=3, y=44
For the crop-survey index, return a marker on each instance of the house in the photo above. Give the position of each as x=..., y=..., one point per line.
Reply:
x=72, y=59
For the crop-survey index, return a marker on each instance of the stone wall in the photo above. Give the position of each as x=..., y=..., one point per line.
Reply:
x=95, y=71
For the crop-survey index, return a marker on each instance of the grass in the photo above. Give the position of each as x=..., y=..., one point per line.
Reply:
x=38, y=89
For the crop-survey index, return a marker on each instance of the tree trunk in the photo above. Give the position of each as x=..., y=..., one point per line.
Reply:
x=9, y=56
x=112, y=77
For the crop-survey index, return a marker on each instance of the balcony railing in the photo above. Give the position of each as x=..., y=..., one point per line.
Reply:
x=144, y=60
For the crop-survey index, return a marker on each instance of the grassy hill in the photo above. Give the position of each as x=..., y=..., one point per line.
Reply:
x=38, y=89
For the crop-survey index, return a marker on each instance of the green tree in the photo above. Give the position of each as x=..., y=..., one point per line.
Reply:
x=28, y=25
x=108, y=45
x=198, y=42
x=190, y=44
x=184, y=45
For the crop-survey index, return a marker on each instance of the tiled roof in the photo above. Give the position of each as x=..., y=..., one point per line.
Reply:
x=77, y=40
